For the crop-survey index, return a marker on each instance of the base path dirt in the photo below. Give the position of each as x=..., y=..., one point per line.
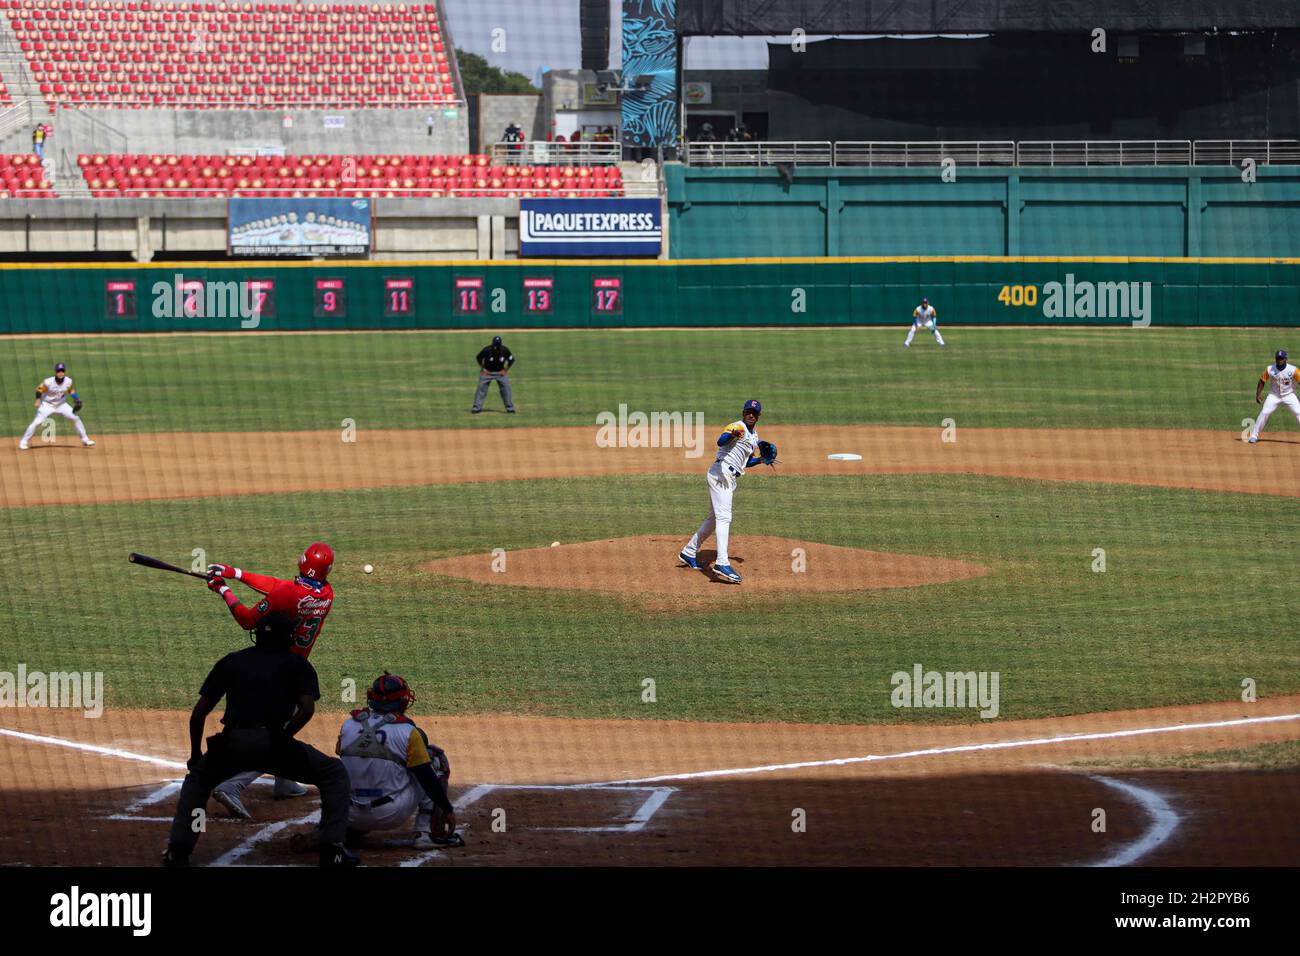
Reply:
x=767, y=565
x=93, y=792
x=200, y=464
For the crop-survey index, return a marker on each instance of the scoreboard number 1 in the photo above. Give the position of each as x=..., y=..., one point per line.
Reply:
x=607, y=295
x=399, y=297
x=119, y=299
x=330, y=302
x=538, y=292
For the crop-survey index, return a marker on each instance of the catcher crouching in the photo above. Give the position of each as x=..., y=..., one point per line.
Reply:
x=395, y=771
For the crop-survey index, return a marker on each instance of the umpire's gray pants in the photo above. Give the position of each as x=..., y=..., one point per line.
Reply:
x=485, y=381
x=232, y=751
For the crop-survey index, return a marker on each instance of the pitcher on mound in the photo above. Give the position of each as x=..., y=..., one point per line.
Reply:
x=736, y=452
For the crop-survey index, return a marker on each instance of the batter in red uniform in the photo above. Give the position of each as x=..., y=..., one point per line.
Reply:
x=306, y=599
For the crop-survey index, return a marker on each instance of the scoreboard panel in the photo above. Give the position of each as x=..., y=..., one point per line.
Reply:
x=119, y=299
x=468, y=296
x=331, y=299
x=539, y=295
x=607, y=295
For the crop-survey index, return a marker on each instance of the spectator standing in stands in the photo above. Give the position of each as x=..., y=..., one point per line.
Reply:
x=514, y=135
x=38, y=140
x=428, y=123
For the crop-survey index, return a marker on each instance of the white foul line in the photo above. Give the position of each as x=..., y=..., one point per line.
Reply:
x=1163, y=823
x=92, y=748
x=943, y=751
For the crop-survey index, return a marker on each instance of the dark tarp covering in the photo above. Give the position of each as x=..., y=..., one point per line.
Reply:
x=780, y=17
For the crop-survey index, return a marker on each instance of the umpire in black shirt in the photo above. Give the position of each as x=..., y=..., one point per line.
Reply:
x=271, y=694
x=494, y=365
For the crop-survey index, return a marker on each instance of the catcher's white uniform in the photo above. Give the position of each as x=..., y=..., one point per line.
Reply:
x=1281, y=391
x=924, y=317
x=54, y=401
x=379, y=751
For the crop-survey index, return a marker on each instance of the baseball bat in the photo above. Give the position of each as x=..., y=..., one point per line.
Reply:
x=149, y=562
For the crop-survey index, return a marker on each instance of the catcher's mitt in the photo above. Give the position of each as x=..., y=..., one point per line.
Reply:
x=766, y=453
x=76, y=406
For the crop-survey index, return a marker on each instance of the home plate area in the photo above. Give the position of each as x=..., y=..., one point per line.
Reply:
x=500, y=814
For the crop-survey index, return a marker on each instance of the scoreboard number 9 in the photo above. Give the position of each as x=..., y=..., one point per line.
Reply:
x=119, y=299
x=538, y=292
x=399, y=297
x=330, y=301
x=607, y=295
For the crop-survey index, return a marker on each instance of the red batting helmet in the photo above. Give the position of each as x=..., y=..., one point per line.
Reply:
x=390, y=693
x=316, y=561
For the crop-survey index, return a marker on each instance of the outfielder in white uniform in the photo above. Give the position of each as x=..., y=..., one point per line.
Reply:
x=395, y=771
x=736, y=452
x=924, y=317
x=1280, y=379
x=52, y=399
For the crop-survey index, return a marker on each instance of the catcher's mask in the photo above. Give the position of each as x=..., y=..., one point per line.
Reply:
x=390, y=694
x=274, y=630
x=1281, y=358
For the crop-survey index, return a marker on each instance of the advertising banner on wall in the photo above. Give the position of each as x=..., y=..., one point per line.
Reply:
x=589, y=227
x=266, y=226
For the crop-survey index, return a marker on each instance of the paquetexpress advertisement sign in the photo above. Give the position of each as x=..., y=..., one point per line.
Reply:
x=266, y=226
x=589, y=227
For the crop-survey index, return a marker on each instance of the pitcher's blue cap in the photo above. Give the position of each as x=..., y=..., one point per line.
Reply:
x=752, y=405
x=60, y=367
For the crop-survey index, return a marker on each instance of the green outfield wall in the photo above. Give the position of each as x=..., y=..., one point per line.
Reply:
x=822, y=291
x=1163, y=211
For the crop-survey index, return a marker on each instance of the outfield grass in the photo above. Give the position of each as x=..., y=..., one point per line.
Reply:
x=1038, y=377
x=1184, y=611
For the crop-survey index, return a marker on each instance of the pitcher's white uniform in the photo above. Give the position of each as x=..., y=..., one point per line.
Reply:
x=1281, y=391
x=924, y=317
x=54, y=401
x=722, y=476
x=379, y=750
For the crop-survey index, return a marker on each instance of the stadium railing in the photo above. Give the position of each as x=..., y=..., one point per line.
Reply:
x=1117, y=152
x=1179, y=152
x=764, y=153
x=886, y=153
x=555, y=154
x=1231, y=152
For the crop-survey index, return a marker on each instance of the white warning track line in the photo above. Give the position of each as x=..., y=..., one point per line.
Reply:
x=1164, y=821
x=958, y=749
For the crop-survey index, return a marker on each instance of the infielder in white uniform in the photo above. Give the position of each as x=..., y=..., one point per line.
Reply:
x=52, y=399
x=736, y=452
x=924, y=317
x=395, y=771
x=1280, y=379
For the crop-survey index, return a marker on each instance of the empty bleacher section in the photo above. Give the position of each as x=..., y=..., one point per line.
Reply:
x=389, y=176
x=23, y=177
x=135, y=54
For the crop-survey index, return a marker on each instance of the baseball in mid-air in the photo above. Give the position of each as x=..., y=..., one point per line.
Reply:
x=369, y=569
x=555, y=544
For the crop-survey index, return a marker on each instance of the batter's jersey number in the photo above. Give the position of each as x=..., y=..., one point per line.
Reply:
x=261, y=298
x=331, y=302
x=468, y=296
x=538, y=295
x=607, y=295
x=399, y=297
x=119, y=299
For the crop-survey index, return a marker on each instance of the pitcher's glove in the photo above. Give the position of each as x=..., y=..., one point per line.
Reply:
x=76, y=406
x=767, y=453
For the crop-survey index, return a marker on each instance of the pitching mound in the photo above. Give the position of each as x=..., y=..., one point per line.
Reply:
x=648, y=566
